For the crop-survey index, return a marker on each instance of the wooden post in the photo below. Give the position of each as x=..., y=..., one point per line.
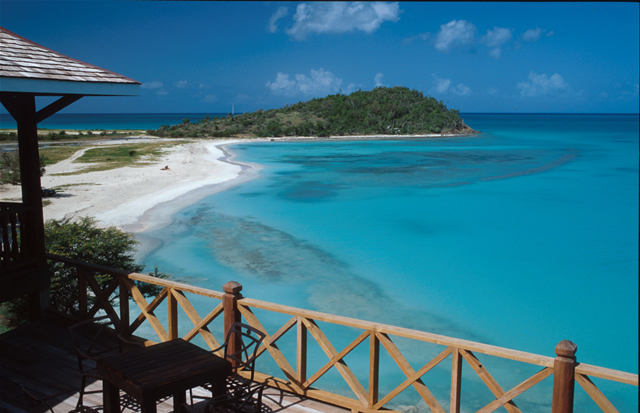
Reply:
x=124, y=307
x=301, y=360
x=374, y=369
x=172, y=305
x=231, y=314
x=33, y=231
x=563, y=377
x=456, y=380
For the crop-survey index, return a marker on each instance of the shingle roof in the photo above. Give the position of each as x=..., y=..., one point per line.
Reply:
x=21, y=58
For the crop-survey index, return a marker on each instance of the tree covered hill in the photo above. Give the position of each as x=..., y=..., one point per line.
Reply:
x=382, y=111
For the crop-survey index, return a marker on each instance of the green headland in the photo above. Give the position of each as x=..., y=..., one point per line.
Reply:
x=381, y=111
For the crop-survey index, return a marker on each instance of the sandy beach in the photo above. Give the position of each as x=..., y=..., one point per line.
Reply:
x=140, y=198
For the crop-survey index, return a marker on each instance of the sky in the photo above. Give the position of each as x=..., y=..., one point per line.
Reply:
x=215, y=57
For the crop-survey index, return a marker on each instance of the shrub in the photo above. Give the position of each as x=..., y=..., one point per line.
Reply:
x=10, y=167
x=82, y=239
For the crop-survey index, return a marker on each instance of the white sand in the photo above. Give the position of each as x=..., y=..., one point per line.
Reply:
x=140, y=198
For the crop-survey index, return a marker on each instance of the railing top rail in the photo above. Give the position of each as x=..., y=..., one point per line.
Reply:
x=139, y=277
x=14, y=207
x=608, y=374
x=404, y=332
x=544, y=361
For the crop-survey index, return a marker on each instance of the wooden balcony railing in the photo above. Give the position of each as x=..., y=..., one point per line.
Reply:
x=13, y=219
x=304, y=380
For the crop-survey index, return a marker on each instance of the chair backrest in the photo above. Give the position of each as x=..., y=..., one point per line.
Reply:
x=94, y=338
x=249, y=339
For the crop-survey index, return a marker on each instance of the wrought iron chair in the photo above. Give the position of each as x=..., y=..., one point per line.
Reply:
x=94, y=339
x=242, y=393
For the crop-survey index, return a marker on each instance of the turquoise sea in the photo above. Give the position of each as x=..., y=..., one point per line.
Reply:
x=520, y=237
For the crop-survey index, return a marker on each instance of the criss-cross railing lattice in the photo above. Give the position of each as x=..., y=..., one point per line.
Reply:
x=377, y=339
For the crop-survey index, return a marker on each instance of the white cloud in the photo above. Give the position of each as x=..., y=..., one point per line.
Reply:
x=542, y=85
x=378, y=80
x=636, y=89
x=532, y=35
x=492, y=91
x=152, y=85
x=456, y=32
x=351, y=87
x=209, y=99
x=341, y=17
x=550, y=33
x=272, y=27
x=162, y=92
x=495, y=52
x=281, y=84
x=321, y=82
x=461, y=90
x=181, y=84
x=495, y=39
x=443, y=86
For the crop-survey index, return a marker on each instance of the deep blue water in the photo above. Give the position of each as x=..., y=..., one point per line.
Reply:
x=110, y=121
x=520, y=237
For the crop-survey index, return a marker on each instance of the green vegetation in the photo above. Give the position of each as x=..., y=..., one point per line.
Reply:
x=63, y=135
x=10, y=167
x=382, y=111
x=82, y=239
x=101, y=159
x=117, y=156
x=56, y=153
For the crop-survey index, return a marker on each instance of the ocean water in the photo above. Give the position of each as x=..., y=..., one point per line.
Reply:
x=520, y=237
x=109, y=121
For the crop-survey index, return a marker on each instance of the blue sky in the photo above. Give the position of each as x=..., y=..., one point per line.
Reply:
x=477, y=57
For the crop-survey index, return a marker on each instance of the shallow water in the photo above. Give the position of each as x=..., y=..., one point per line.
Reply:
x=520, y=237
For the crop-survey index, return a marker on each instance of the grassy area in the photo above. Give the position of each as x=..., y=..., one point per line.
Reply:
x=54, y=154
x=119, y=156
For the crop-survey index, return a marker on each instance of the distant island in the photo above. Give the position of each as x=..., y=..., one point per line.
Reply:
x=381, y=111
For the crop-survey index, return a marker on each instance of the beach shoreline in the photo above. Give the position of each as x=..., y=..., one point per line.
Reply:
x=143, y=198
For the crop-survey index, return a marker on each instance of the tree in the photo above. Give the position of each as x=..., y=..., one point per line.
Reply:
x=84, y=240
x=10, y=167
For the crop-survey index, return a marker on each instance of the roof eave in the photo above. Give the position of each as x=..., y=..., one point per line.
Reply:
x=46, y=87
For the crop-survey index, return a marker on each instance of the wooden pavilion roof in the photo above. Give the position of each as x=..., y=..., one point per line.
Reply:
x=31, y=68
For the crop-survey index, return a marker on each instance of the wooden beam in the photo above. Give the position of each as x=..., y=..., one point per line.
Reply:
x=301, y=353
x=10, y=103
x=520, y=388
x=488, y=379
x=594, y=392
x=456, y=381
x=56, y=106
x=374, y=368
x=172, y=307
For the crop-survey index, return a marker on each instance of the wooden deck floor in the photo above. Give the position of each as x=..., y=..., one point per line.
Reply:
x=41, y=356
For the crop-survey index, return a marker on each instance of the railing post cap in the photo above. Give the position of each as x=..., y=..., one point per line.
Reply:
x=232, y=287
x=566, y=348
